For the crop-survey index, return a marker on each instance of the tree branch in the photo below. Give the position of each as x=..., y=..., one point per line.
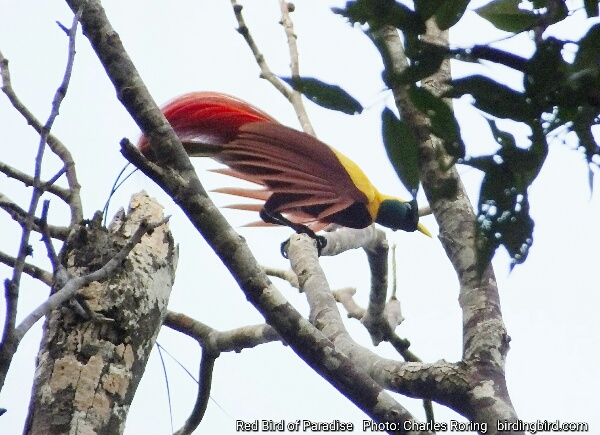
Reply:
x=19, y=215
x=484, y=335
x=265, y=71
x=215, y=341
x=10, y=338
x=207, y=364
x=27, y=180
x=31, y=270
x=294, y=97
x=182, y=184
x=55, y=145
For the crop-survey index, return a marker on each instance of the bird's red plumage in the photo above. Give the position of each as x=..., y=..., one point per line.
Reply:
x=208, y=117
x=302, y=177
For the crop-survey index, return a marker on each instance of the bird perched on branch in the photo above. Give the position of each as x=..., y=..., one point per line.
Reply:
x=306, y=184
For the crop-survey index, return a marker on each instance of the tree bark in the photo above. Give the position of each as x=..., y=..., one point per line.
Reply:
x=88, y=369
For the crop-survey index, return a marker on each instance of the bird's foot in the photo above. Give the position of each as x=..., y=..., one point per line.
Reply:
x=277, y=218
x=321, y=243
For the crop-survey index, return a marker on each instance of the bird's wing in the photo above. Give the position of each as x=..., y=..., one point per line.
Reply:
x=305, y=176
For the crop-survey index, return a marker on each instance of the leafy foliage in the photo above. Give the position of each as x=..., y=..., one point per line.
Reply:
x=506, y=15
x=558, y=97
x=503, y=212
x=401, y=147
x=325, y=95
x=591, y=8
x=450, y=13
x=443, y=122
x=379, y=13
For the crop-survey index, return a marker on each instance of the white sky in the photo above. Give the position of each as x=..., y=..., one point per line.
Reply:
x=549, y=304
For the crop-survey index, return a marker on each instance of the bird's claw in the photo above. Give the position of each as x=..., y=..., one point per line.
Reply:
x=321, y=243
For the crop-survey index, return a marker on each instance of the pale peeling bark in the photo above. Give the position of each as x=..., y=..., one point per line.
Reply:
x=88, y=369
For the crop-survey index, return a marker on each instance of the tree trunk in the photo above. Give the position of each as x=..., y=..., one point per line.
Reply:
x=88, y=369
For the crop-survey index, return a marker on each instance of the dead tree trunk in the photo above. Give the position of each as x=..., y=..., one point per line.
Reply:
x=88, y=369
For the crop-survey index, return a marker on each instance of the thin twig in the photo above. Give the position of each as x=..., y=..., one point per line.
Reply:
x=59, y=270
x=265, y=71
x=286, y=275
x=27, y=180
x=207, y=364
x=216, y=341
x=55, y=145
x=31, y=270
x=295, y=97
x=19, y=215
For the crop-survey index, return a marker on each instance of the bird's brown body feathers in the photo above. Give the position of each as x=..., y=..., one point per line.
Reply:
x=302, y=178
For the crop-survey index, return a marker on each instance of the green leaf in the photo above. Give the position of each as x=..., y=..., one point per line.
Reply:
x=506, y=15
x=582, y=126
x=493, y=98
x=503, y=212
x=378, y=13
x=539, y=4
x=588, y=54
x=401, y=146
x=325, y=95
x=443, y=122
x=403, y=18
x=450, y=13
x=591, y=8
x=358, y=11
x=545, y=75
x=504, y=139
x=426, y=8
x=425, y=58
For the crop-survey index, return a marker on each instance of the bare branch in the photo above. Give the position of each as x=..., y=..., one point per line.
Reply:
x=59, y=270
x=215, y=341
x=295, y=97
x=27, y=180
x=10, y=338
x=286, y=275
x=344, y=239
x=344, y=296
x=265, y=71
x=31, y=270
x=323, y=310
x=55, y=145
x=207, y=364
x=19, y=215
x=24, y=248
x=374, y=319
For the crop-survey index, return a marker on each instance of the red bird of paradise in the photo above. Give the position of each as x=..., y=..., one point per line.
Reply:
x=306, y=184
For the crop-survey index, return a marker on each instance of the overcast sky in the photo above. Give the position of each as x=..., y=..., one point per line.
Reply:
x=549, y=304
